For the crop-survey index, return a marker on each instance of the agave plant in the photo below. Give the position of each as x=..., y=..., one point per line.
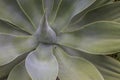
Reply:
x=59, y=39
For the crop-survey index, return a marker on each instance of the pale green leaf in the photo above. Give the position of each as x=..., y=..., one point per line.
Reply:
x=75, y=68
x=96, y=4
x=10, y=29
x=41, y=64
x=45, y=33
x=12, y=46
x=33, y=9
x=48, y=6
x=11, y=12
x=102, y=2
x=99, y=3
x=96, y=38
x=117, y=20
x=54, y=9
x=109, y=67
x=108, y=12
x=19, y=73
x=66, y=10
x=5, y=69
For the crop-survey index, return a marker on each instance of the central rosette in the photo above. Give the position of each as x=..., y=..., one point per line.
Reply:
x=44, y=33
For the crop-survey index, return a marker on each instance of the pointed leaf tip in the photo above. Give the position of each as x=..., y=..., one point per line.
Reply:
x=75, y=68
x=44, y=32
x=42, y=64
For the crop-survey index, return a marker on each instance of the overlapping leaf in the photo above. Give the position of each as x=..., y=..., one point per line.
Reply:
x=5, y=69
x=108, y=66
x=22, y=17
x=96, y=38
x=108, y=12
x=33, y=9
x=11, y=12
x=10, y=29
x=13, y=46
x=75, y=68
x=19, y=73
x=70, y=8
x=41, y=64
x=44, y=32
x=96, y=4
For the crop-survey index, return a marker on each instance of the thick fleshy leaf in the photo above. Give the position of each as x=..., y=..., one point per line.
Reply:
x=66, y=10
x=33, y=9
x=45, y=33
x=13, y=46
x=11, y=12
x=5, y=69
x=19, y=73
x=108, y=12
x=75, y=68
x=96, y=4
x=54, y=11
x=48, y=6
x=117, y=20
x=109, y=67
x=41, y=64
x=10, y=29
x=102, y=2
x=96, y=38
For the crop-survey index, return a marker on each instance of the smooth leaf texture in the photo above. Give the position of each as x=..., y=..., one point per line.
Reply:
x=19, y=73
x=41, y=64
x=5, y=69
x=10, y=29
x=108, y=12
x=75, y=68
x=12, y=46
x=102, y=2
x=109, y=67
x=96, y=38
x=44, y=32
x=117, y=20
x=11, y=12
x=33, y=9
x=67, y=9
x=96, y=4
x=48, y=6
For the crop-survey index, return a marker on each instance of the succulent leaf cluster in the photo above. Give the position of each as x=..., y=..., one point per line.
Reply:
x=59, y=39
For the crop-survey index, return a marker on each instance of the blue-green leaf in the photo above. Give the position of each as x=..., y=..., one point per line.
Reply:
x=11, y=13
x=33, y=9
x=108, y=12
x=12, y=46
x=75, y=68
x=95, y=38
x=66, y=10
x=41, y=64
x=19, y=73
x=108, y=67
x=10, y=29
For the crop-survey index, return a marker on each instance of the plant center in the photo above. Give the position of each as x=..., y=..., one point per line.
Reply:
x=44, y=33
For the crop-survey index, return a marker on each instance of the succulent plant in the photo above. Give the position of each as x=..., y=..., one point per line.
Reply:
x=59, y=39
